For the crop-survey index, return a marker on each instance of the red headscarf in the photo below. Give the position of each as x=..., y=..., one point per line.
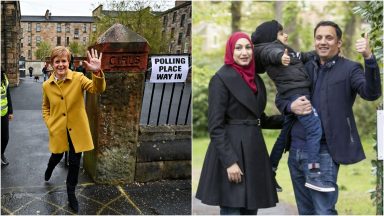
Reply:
x=246, y=72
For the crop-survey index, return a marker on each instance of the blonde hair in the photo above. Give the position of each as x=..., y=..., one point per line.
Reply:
x=60, y=51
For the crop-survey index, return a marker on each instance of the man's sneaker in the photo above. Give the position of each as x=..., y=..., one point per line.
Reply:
x=277, y=186
x=4, y=160
x=314, y=182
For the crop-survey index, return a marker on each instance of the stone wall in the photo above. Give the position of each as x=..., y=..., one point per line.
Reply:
x=163, y=152
x=10, y=39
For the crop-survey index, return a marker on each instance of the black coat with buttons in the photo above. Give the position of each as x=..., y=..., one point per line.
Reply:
x=230, y=99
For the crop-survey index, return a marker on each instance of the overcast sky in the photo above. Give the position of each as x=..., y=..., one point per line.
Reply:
x=65, y=7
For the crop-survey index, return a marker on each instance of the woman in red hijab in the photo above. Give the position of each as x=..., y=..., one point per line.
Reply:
x=236, y=174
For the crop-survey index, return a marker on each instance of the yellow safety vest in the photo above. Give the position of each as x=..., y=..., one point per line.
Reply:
x=4, y=99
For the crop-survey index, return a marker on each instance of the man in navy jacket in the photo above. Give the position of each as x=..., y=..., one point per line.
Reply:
x=336, y=81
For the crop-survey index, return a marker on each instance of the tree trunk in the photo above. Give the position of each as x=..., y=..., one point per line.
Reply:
x=351, y=20
x=278, y=8
x=236, y=15
x=291, y=12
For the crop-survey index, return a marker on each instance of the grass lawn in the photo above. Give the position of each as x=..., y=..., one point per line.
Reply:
x=354, y=180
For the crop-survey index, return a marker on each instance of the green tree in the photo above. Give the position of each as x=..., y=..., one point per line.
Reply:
x=137, y=16
x=77, y=49
x=372, y=12
x=200, y=100
x=43, y=50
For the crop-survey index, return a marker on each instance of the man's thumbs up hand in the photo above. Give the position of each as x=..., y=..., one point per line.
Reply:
x=362, y=46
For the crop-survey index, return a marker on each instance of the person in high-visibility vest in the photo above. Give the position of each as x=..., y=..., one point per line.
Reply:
x=6, y=114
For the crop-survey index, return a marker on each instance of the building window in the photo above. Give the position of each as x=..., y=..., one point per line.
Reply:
x=85, y=28
x=189, y=29
x=67, y=42
x=29, y=27
x=84, y=40
x=21, y=45
x=94, y=28
x=38, y=27
x=29, y=41
x=30, y=54
x=180, y=38
x=76, y=36
x=67, y=27
x=58, y=42
x=165, y=21
x=182, y=20
x=58, y=27
x=38, y=40
x=172, y=32
x=174, y=17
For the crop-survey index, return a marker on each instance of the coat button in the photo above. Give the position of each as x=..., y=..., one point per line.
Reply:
x=62, y=98
x=69, y=129
x=63, y=114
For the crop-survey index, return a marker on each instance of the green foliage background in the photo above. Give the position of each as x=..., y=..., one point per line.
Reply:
x=372, y=12
x=298, y=18
x=207, y=61
x=139, y=17
x=77, y=49
x=43, y=50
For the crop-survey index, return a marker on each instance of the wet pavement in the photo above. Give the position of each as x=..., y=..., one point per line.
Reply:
x=24, y=191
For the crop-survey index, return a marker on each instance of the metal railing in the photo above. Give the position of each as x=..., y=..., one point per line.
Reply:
x=166, y=103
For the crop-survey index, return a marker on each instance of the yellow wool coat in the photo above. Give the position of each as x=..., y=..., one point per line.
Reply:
x=63, y=108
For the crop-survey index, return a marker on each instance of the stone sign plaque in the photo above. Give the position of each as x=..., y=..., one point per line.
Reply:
x=124, y=62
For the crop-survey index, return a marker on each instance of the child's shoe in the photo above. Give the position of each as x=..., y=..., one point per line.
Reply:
x=314, y=181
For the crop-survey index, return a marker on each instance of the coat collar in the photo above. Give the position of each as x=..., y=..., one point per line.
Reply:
x=69, y=76
x=239, y=89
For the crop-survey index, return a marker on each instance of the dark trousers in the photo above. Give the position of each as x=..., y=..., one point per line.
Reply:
x=279, y=146
x=4, y=132
x=74, y=163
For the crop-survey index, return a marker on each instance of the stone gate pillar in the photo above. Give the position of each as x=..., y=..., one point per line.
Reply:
x=114, y=115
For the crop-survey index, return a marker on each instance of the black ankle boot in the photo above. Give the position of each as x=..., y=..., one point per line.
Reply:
x=73, y=203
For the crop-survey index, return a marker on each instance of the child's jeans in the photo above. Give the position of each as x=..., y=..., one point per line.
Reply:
x=312, y=125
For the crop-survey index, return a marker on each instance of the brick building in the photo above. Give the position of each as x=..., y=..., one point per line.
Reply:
x=177, y=21
x=10, y=39
x=176, y=24
x=57, y=30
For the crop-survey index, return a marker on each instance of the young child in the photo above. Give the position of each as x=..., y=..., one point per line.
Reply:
x=285, y=67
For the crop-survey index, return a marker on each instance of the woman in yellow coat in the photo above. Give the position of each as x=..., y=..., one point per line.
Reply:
x=64, y=113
